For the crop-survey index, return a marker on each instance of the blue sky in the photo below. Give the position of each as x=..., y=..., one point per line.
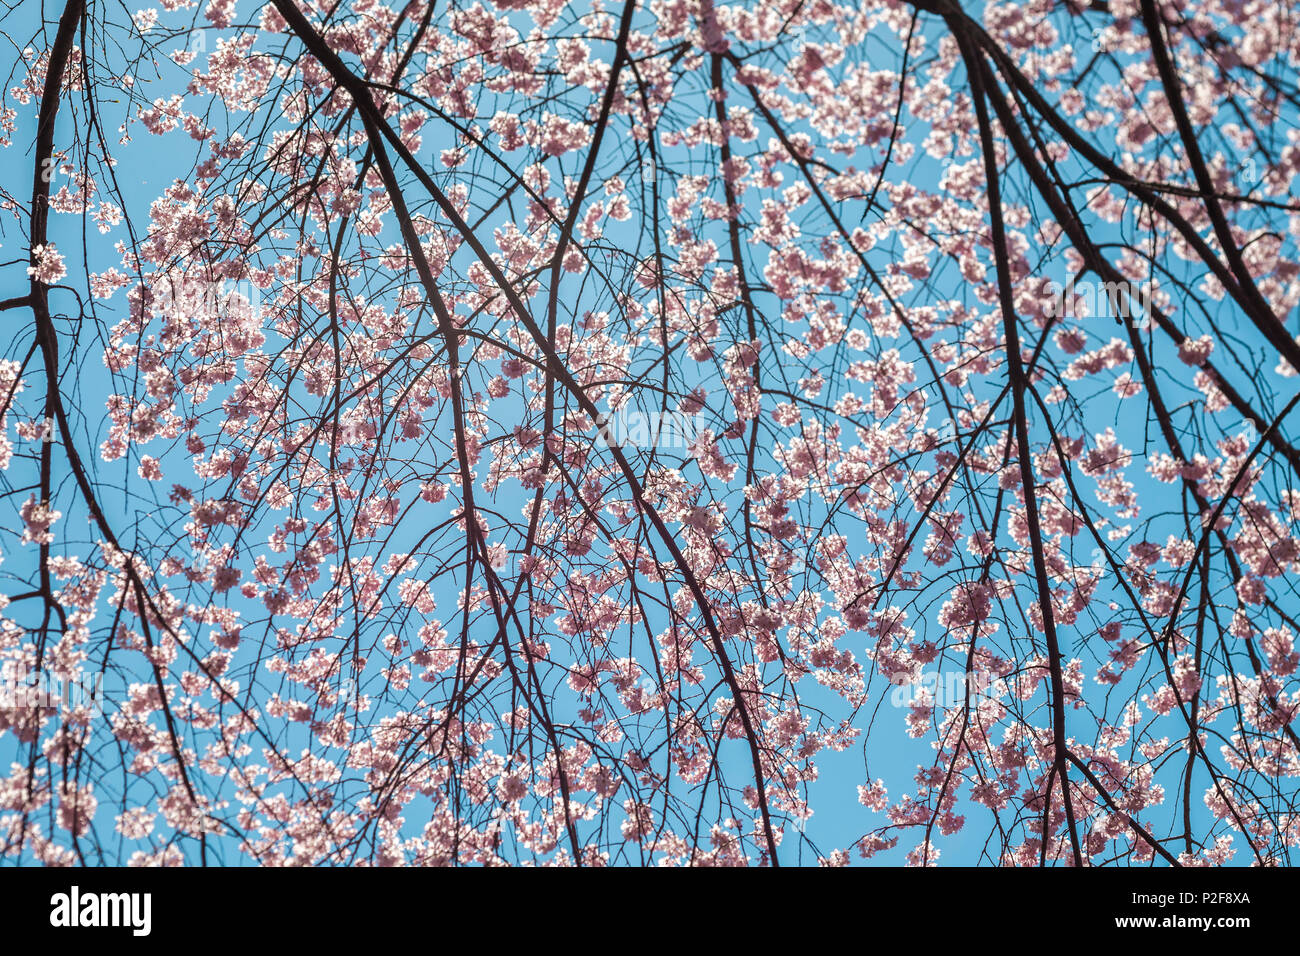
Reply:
x=149, y=164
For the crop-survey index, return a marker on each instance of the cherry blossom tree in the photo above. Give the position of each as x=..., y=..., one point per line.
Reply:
x=334, y=462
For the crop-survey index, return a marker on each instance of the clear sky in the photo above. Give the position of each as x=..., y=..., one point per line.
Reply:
x=149, y=164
